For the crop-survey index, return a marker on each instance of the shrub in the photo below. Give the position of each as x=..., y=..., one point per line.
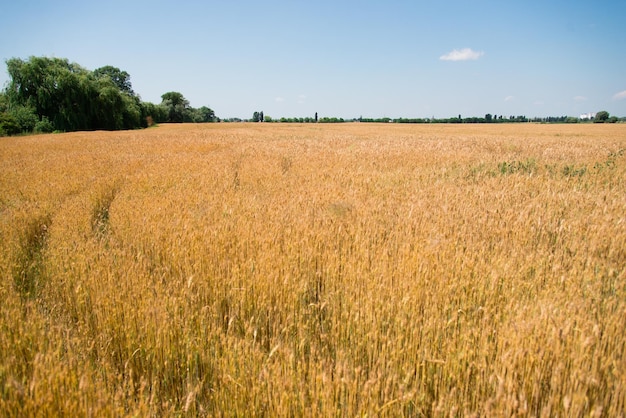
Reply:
x=8, y=124
x=25, y=117
x=44, y=126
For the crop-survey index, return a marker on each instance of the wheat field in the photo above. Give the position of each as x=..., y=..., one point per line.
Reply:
x=314, y=270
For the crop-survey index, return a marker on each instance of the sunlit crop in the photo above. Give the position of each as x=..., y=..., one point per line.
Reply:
x=314, y=270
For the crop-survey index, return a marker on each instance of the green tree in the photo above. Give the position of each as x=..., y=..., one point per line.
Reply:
x=69, y=97
x=131, y=113
x=109, y=105
x=53, y=87
x=177, y=107
x=152, y=113
x=118, y=107
x=47, y=94
x=120, y=78
x=256, y=117
x=203, y=115
x=4, y=102
x=602, y=116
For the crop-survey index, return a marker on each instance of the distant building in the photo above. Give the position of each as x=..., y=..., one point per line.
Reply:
x=587, y=116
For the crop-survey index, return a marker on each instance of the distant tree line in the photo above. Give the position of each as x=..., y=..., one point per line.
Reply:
x=260, y=117
x=51, y=94
x=604, y=117
x=601, y=117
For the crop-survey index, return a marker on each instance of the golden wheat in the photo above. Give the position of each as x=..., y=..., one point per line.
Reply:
x=314, y=270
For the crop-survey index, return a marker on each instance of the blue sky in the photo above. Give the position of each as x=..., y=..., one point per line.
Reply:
x=339, y=58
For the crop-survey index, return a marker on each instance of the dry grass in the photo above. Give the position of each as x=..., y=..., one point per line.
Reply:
x=314, y=270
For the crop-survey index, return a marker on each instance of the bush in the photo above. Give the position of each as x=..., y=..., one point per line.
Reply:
x=25, y=117
x=8, y=124
x=44, y=126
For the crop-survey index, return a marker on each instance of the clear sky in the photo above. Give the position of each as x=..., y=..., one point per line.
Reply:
x=343, y=58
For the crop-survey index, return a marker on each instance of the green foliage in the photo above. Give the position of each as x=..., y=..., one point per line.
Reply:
x=71, y=97
x=53, y=87
x=52, y=94
x=25, y=117
x=8, y=124
x=331, y=120
x=44, y=126
x=132, y=112
x=601, y=116
x=258, y=117
x=178, y=109
x=411, y=120
x=4, y=102
x=202, y=115
x=362, y=119
x=295, y=120
x=120, y=78
x=155, y=113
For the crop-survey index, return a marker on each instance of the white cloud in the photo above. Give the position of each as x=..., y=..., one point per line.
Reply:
x=509, y=98
x=620, y=96
x=465, y=54
x=301, y=99
x=580, y=98
x=280, y=99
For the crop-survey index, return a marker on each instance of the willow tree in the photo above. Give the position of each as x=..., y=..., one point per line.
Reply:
x=71, y=97
x=54, y=88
